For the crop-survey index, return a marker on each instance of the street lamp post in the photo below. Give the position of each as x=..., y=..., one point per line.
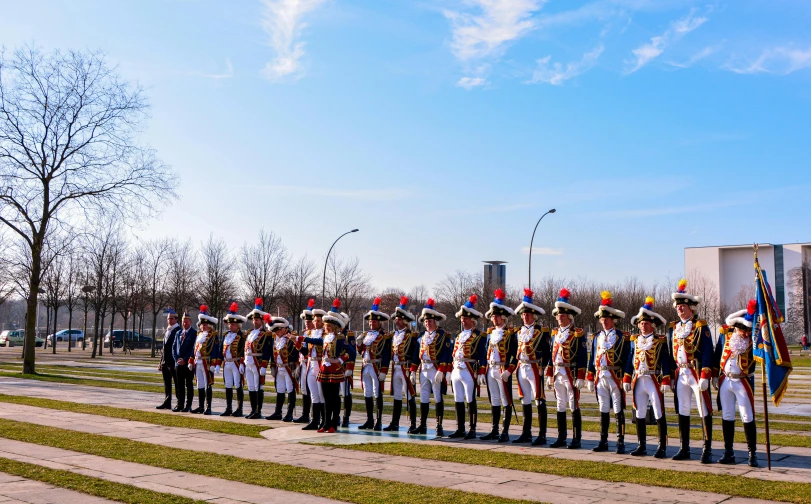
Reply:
x=326, y=261
x=529, y=268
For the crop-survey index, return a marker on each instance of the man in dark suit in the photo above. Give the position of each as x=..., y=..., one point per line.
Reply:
x=167, y=365
x=182, y=351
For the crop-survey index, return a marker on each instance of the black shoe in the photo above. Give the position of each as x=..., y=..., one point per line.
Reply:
x=252, y=399
x=187, y=409
x=642, y=438
x=201, y=400
x=291, y=405
x=661, y=450
x=260, y=399
x=177, y=408
x=526, y=431
x=422, y=429
x=277, y=413
x=379, y=413
x=370, y=415
x=621, y=432
x=460, y=421
x=561, y=440
x=577, y=430
x=397, y=410
x=347, y=410
x=728, y=429
x=229, y=397
x=165, y=405
x=706, y=453
x=684, y=439
x=306, y=403
x=440, y=415
x=209, y=393
x=316, y=422
x=473, y=409
x=602, y=446
x=750, y=431
x=495, y=412
x=240, y=399
x=542, y=414
x=505, y=429
x=412, y=415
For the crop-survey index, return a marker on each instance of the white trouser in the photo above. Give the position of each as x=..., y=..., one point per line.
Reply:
x=399, y=383
x=200, y=373
x=284, y=382
x=302, y=377
x=344, y=389
x=312, y=382
x=564, y=393
x=526, y=381
x=252, y=376
x=371, y=383
x=645, y=390
x=231, y=375
x=464, y=385
x=734, y=391
x=607, y=391
x=427, y=386
x=686, y=390
x=496, y=387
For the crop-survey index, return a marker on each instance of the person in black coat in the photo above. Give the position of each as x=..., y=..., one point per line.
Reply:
x=167, y=364
x=182, y=351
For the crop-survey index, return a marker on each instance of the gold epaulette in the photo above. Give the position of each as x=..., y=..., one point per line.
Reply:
x=701, y=323
x=671, y=325
x=660, y=337
x=578, y=332
x=545, y=329
x=626, y=335
x=350, y=333
x=387, y=335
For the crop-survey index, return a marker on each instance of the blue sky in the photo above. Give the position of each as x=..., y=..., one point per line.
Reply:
x=443, y=129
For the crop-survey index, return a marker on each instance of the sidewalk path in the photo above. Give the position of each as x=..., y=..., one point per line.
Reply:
x=14, y=489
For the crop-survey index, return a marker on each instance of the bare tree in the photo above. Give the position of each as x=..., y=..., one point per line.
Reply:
x=217, y=283
x=347, y=281
x=182, y=275
x=263, y=270
x=72, y=290
x=301, y=285
x=100, y=248
x=158, y=256
x=54, y=282
x=68, y=124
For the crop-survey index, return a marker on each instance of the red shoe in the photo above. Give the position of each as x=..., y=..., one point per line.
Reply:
x=321, y=430
x=331, y=430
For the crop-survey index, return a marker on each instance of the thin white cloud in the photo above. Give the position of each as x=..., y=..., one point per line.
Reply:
x=543, y=251
x=374, y=194
x=282, y=21
x=471, y=82
x=646, y=53
x=227, y=74
x=700, y=55
x=558, y=73
x=778, y=60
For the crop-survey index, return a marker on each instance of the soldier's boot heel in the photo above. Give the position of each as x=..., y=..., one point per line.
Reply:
x=602, y=446
x=642, y=438
x=728, y=429
x=561, y=440
x=495, y=412
x=684, y=439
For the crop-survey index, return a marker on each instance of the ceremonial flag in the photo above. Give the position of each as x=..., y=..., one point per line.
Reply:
x=769, y=345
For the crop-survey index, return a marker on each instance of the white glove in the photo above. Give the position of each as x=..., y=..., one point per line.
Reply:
x=703, y=384
x=438, y=377
x=715, y=383
x=505, y=375
x=664, y=388
x=413, y=377
x=263, y=371
x=578, y=384
x=673, y=386
x=191, y=366
x=481, y=380
x=381, y=377
x=550, y=382
x=242, y=369
x=216, y=369
x=348, y=373
x=590, y=386
x=627, y=387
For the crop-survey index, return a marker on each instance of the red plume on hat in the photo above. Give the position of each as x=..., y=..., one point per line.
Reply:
x=233, y=309
x=336, y=305
x=257, y=303
x=204, y=309
x=266, y=317
x=311, y=304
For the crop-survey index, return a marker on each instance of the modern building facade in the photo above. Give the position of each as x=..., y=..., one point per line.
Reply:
x=495, y=274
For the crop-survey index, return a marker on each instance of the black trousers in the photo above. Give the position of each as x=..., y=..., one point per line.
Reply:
x=185, y=383
x=169, y=376
x=332, y=403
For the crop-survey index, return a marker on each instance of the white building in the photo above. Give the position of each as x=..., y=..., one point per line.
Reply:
x=731, y=269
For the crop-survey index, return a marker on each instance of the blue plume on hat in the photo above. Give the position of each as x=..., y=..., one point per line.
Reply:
x=528, y=296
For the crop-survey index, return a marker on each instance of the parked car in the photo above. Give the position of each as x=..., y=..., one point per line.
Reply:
x=134, y=340
x=16, y=337
x=76, y=335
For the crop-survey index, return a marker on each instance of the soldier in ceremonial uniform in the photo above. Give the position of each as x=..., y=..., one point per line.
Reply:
x=349, y=369
x=736, y=366
x=309, y=324
x=167, y=364
x=311, y=344
x=204, y=361
x=182, y=352
x=375, y=349
x=609, y=353
x=469, y=365
x=258, y=349
x=404, y=347
x=533, y=352
x=433, y=363
x=285, y=358
x=233, y=352
x=647, y=376
x=501, y=363
x=331, y=373
x=692, y=355
x=568, y=368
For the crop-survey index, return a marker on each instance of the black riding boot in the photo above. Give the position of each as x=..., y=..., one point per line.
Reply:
x=440, y=415
x=460, y=421
x=605, y=419
x=728, y=428
x=316, y=421
x=642, y=437
x=505, y=429
x=473, y=409
x=424, y=409
x=661, y=450
x=370, y=415
x=684, y=439
x=561, y=441
x=751, y=441
x=277, y=413
x=379, y=421
x=706, y=453
x=577, y=429
x=621, y=432
x=397, y=409
x=542, y=420
x=209, y=393
x=240, y=399
x=260, y=399
x=229, y=398
x=306, y=402
x=495, y=412
x=526, y=431
x=291, y=406
x=252, y=399
x=347, y=410
x=412, y=415
x=201, y=401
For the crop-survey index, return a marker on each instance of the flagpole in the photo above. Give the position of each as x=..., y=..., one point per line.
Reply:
x=759, y=279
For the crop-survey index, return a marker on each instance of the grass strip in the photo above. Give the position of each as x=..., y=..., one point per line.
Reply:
x=165, y=419
x=698, y=481
x=345, y=487
x=88, y=485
